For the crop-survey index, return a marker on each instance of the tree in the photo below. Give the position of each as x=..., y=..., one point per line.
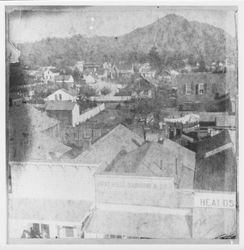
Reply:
x=77, y=75
x=87, y=91
x=105, y=91
x=154, y=58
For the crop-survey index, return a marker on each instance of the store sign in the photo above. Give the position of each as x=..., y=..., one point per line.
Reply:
x=134, y=190
x=215, y=200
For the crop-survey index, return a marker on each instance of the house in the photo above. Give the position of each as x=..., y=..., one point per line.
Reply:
x=13, y=53
x=142, y=88
x=63, y=95
x=64, y=79
x=80, y=66
x=68, y=112
x=89, y=79
x=46, y=219
x=123, y=70
x=15, y=99
x=120, y=192
x=91, y=66
x=146, y=71
x=50, y=74
x=200, y=87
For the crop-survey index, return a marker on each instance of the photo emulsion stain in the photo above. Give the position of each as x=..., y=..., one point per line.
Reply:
x=122, y=124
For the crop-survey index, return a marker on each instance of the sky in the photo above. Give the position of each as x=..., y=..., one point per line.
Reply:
x=40, y=23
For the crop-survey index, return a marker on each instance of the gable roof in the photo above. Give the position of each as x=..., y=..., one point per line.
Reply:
x=211, y=143
x=105, y=149
x=30, y=119
x=60, y=105
x=150, y=159
x=44, y=148
x=70, y=91
x=142, y=84
x=187, y=156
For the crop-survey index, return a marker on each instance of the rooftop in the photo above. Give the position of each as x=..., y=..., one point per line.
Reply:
x=106, y=149
x=71, y=91
x=144, y=225
x=60, y=105
x=29, y=118
x=150, y=159
x=36, y=147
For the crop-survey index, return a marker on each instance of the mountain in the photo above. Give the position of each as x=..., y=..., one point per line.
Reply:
x=173, y=36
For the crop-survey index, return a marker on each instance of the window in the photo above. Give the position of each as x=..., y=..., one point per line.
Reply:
x=60, y=96
x=201, y=88
x=69, y=231
x=188, y=89
x=39, y=231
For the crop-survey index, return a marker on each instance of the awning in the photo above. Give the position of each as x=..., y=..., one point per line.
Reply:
x=140, y=225
x=190, y=118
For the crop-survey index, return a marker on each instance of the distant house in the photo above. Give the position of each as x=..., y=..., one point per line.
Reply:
x=15, y=99
x=63, y=95
x=146, y=71
x=50, y=74
x=200, y=87
x=89, y=79
x=124, y=70
x=64, y=79
x=80, y=66
x=142, y=88
x=67, y=112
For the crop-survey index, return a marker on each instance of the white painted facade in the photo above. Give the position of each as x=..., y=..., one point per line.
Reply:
x=60, y=95
x=45, y=180
x=48, y=75
x=51, y=181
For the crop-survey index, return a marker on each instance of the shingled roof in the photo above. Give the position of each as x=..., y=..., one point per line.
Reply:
x=151, y=159
x=106, y=149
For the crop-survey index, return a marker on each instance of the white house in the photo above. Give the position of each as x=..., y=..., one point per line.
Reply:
x=63, y=95
x=67, y=112
x=44, y=201
x=50, y=74
x=89, y=79
x=146, y=71
x=80, y=66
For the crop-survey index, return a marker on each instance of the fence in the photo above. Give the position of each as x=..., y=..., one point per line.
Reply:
x=92, y=112
x=110, y=98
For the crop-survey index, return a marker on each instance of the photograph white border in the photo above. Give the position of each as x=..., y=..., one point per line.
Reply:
x=3, y=209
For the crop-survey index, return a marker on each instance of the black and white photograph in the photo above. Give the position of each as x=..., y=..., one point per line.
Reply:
x=122, y=124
